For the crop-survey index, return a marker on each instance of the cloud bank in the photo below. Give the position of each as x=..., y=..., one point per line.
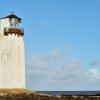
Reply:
x=54, y=71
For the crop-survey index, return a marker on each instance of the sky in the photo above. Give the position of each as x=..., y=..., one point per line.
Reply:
x=62, y=40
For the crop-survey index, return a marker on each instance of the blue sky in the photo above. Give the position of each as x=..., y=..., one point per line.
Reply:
x=62, y=40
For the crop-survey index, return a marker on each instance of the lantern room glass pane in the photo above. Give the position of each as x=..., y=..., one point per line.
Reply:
x=14, y=23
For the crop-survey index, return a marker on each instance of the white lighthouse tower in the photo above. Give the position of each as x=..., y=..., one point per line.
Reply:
x=12, y=65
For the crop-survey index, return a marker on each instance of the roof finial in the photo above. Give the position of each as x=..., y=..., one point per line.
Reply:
x=12, y=13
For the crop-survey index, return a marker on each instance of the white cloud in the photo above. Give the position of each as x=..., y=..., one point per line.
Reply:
x=46, y=73
x=55, y=53
x=94, y=73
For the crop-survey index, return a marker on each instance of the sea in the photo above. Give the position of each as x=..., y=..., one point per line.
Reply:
x=59, y=93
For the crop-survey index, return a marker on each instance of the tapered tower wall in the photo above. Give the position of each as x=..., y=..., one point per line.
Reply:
x=12, y=65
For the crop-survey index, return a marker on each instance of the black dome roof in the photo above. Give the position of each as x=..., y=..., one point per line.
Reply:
x=12, y=15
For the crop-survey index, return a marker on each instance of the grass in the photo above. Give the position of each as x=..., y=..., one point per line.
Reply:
x=15, y=90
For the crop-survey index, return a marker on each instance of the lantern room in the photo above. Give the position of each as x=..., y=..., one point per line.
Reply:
x=11, y=25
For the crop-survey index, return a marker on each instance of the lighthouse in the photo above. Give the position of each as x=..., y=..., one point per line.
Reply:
x=12, y=60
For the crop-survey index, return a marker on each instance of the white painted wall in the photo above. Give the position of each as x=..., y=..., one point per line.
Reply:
x=12, y=65
x=4, y=23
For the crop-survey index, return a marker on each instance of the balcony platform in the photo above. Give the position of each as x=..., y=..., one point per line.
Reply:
x=16, y=31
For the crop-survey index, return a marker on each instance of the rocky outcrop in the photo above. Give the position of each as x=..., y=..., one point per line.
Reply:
x=23, y=94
